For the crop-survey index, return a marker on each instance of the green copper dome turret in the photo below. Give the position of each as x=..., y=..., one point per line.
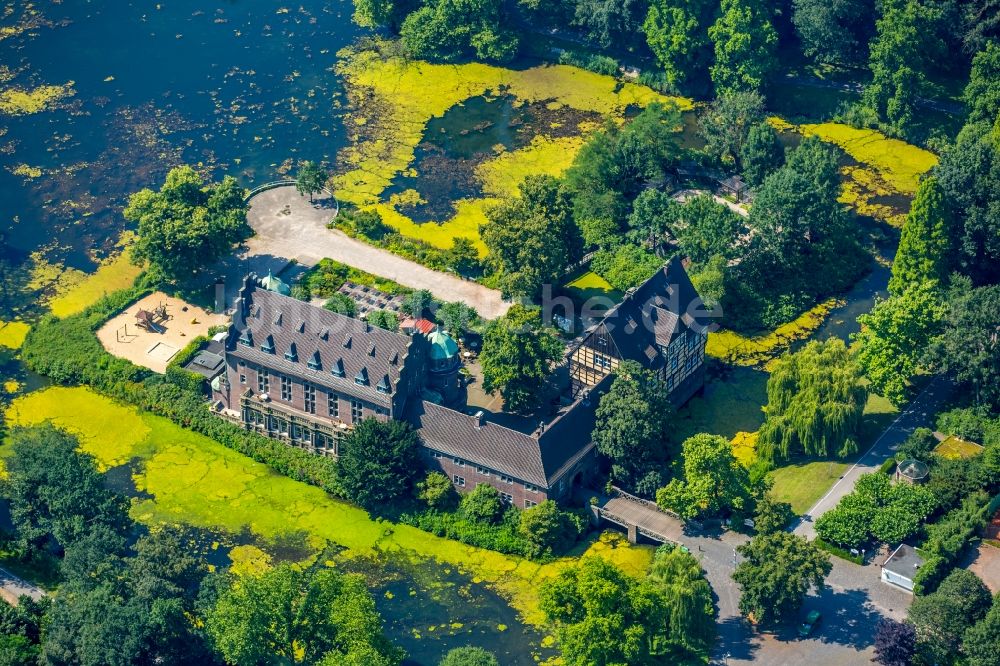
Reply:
x=443, y=347
x=272, y=283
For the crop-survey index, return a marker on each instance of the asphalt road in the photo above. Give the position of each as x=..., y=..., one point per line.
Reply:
x=289, y=227
x=13, y=588
x=919, y=413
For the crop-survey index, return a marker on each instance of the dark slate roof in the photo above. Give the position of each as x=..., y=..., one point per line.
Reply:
x=303, y=331
x=205, y=363
x=656, y=313
x=904, y=561
x=535, y=458
x=491, y=445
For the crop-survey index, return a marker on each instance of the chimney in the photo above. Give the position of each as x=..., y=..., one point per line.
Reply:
x=480, y=418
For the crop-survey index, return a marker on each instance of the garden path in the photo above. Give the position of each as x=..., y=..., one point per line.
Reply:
x=290, y=227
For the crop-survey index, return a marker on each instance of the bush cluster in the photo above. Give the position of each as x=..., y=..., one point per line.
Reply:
x=947, y=539
x=600, y=64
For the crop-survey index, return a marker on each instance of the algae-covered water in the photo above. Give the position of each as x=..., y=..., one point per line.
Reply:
x=238, y=87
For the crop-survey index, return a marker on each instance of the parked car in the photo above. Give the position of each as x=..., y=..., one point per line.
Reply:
x=812, y=620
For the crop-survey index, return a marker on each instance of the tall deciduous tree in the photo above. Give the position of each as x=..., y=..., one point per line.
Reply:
x=969, y=347
x=925, y=244
x=895, y=335
x=57, y=492
x=631, y=427
x=895, y=643
x=532, y=238
x=745, y=44
x=815, y=400
x=761, y=153
x=905, y=44
x=310, y=179
x=603, y=616
x=982, y=94
x=714, y=482
x=449, y=30
x=980, y=640
x=727, y=122
x=705, y=229
x=517, y=357
x=379, y=462
x=835, y=31
x=777, y=571
x=969, y=173
x=677, y=34
x=290, y=615
x=687, y=597
x=377, y=13
x=942, y=617
x=186, y=226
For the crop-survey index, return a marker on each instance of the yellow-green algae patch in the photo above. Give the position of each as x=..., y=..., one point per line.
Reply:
x=396, y=98
x=198, y=482
x=12, y=334
x=501, y=175
x=114, y=274
x=899, y=163
x=738, y=349
x=21, y=101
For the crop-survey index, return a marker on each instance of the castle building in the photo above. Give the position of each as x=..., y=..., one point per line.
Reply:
x=306, y=376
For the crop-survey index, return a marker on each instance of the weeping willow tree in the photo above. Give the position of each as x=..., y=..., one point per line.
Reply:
x=815, y=401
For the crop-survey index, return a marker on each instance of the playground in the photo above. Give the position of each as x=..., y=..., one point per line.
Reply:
x=151, y=331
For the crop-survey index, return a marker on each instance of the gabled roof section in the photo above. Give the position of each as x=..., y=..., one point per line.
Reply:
x=655, y=314
x=325, y=336
x=491, y=445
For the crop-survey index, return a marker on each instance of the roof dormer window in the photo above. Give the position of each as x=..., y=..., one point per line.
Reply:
x=384, y=386
x=361, y=379
x=268, y=345
x=338, y=368
x=302, y=327
x=347, y=343
x=277, y=319
x=371, y=352
x=314, y=361
x=246, y=339
x=292, y=354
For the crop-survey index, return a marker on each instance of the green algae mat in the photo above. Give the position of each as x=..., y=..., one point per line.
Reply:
x=185, y=478
x=394, y=100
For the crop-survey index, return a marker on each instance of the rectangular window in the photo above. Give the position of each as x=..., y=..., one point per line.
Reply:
x=436, y=455
x=602, y=361
x=507, y=498
x=483, y=471
x=506, y=479
x=333, y=405
x=458, y=461
x=459, y=481
x=528, y=504
x=356, y=411
x=243, y=379
x=310, y=398
x=263, y=381
x=530, y=488
x=286, y=388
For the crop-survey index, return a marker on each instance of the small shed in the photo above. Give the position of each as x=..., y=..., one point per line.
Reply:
x=734, y=186
x=209, y=361
x=901, y=567
x=912, y=471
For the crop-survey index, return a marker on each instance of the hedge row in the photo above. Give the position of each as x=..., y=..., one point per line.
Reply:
x=839, y=552
x=948, y=538
x=176, y=374
x=67, y=351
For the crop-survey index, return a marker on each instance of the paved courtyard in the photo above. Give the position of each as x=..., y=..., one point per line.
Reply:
x=985, y=563
x=289, y=227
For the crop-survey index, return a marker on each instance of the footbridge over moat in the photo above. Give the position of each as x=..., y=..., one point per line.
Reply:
x=639, y=517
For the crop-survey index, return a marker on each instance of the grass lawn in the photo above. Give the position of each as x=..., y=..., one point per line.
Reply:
x=589, y=285
x=730, y=404
x=953, y=448
x=802, y=483
x=195, y=481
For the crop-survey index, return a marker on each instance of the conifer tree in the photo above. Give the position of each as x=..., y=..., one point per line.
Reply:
x=925, y=244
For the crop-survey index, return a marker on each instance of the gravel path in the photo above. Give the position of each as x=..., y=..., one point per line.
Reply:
x=289, y=227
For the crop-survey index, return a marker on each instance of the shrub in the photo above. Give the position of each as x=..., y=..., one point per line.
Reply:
x=483, y=505
x=595, y=63
x=469, y=656
x=437, y=491
x=176, y=374
x=548, y=528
